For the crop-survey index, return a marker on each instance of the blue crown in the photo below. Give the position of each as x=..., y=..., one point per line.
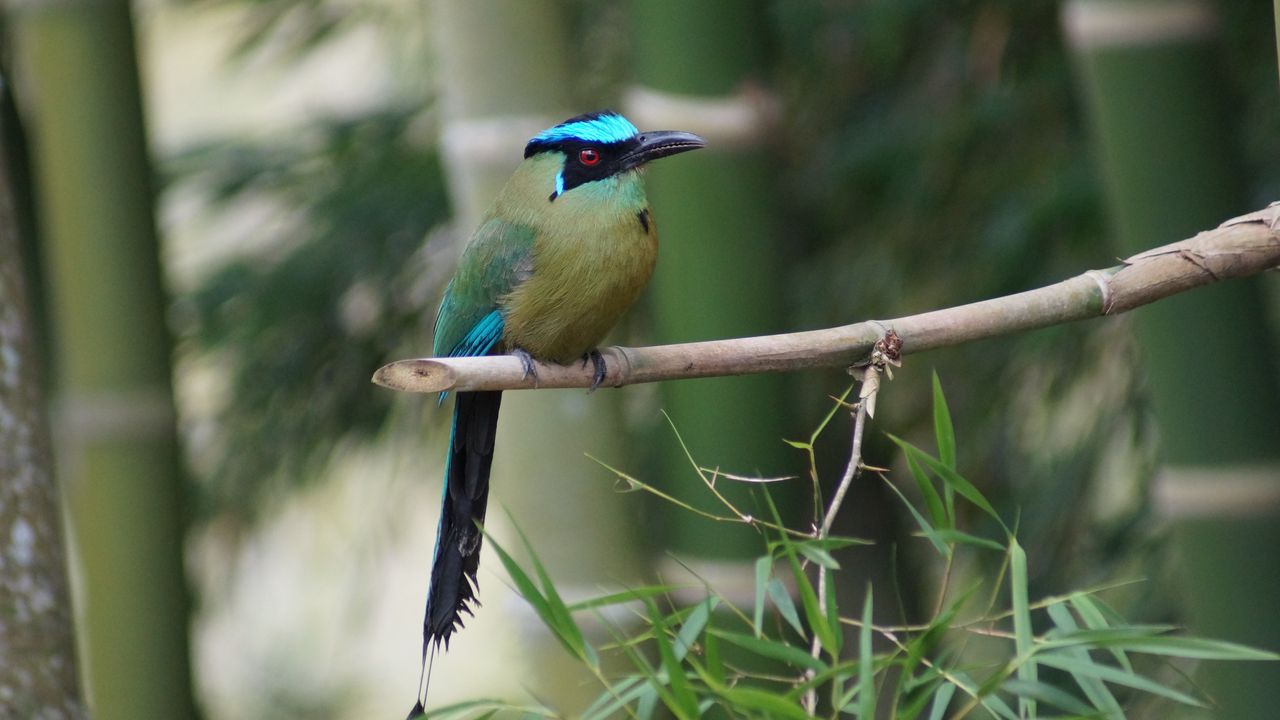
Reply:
x=599, y=127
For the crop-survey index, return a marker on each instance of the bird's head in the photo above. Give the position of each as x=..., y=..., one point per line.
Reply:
x=600, y=145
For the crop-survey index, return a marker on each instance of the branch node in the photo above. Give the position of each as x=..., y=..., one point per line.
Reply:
x=1104, y=289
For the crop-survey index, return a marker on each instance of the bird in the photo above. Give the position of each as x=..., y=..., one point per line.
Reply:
x=567, y=246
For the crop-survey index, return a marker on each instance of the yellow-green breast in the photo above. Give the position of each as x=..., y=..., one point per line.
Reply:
x=594, y=250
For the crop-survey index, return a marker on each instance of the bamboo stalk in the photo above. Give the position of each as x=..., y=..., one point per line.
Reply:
x=1164, y=126
x=37, y=636
x=719, y=223
x=1240, y=247
x=115, y=429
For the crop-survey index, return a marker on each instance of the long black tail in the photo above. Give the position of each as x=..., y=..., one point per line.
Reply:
x=466, y=492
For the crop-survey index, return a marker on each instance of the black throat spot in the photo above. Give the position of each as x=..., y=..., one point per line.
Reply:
x=643, y=217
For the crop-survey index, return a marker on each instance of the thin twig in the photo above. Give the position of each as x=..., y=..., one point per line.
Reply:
x=886, y=352
x=870, y=386
x=1242, y=246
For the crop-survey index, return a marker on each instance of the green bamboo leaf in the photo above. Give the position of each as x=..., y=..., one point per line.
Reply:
x=950, y=478
x=749, y=698
x=1091, y=611
x=764, y=564
x=620, y=598
x=614, y=698
x=529, y=591
x=711, y=651
x=648, y=687
x=1093, y=688
x=993, y=703
x=923, y=644
x=958, y=537
x=693, y=626
x=943, y=430
x=941, y=700
x=1116, y=638
x=919, y=692
x=1111, y=634
x=1036, y=691
x=818, y=556
x=798, y=445
x=926, y=529
x=932, y=501
x=681, y=701
x=488, y=704
x=808, y=598
x=1088, y=611
x=837, y=542
x=1109, y=613
x=1022, y=632
x=848, y=703
x=647, y=706
x=1188, y=647
x=783, y=602
x=1115, y=675
x=524, y=584
x=866, y=663
x=953, y=480
x=653, y=689
x=774, y=650
x=837, y=674
x=564, y=619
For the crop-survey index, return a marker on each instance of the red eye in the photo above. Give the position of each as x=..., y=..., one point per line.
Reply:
x=589, y=157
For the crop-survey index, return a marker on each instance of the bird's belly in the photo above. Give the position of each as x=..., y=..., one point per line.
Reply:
x=576, y=294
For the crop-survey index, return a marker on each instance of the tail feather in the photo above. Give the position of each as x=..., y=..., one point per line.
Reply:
x=466, y=493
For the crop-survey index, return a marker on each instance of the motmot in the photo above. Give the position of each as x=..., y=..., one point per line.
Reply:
x=567, y=246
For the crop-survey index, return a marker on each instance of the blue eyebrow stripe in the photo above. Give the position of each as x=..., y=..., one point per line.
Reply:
x=608, y=128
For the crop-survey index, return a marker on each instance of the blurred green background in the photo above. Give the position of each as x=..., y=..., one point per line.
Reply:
x=315, y=166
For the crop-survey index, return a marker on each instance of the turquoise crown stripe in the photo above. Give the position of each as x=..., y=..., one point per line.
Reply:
x=603, y=128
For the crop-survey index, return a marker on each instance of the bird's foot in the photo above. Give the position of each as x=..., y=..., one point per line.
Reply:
x=527, y=363
x=599, y=367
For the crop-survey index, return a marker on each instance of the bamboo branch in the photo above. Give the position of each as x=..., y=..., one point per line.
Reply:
x=1242, y=246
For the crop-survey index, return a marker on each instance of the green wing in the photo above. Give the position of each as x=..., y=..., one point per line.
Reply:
x=497, y=259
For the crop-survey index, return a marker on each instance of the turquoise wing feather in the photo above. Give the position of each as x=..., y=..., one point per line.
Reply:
x=498, y=258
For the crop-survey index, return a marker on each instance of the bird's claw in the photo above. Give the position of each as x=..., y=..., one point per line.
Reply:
x=527, y=363
x=598, y=366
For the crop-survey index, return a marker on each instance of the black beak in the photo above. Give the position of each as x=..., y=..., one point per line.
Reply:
x=659, y=144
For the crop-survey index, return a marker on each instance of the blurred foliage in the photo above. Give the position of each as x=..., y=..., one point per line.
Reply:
x=299, y=329
x=290, y=29
x=799, y=652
